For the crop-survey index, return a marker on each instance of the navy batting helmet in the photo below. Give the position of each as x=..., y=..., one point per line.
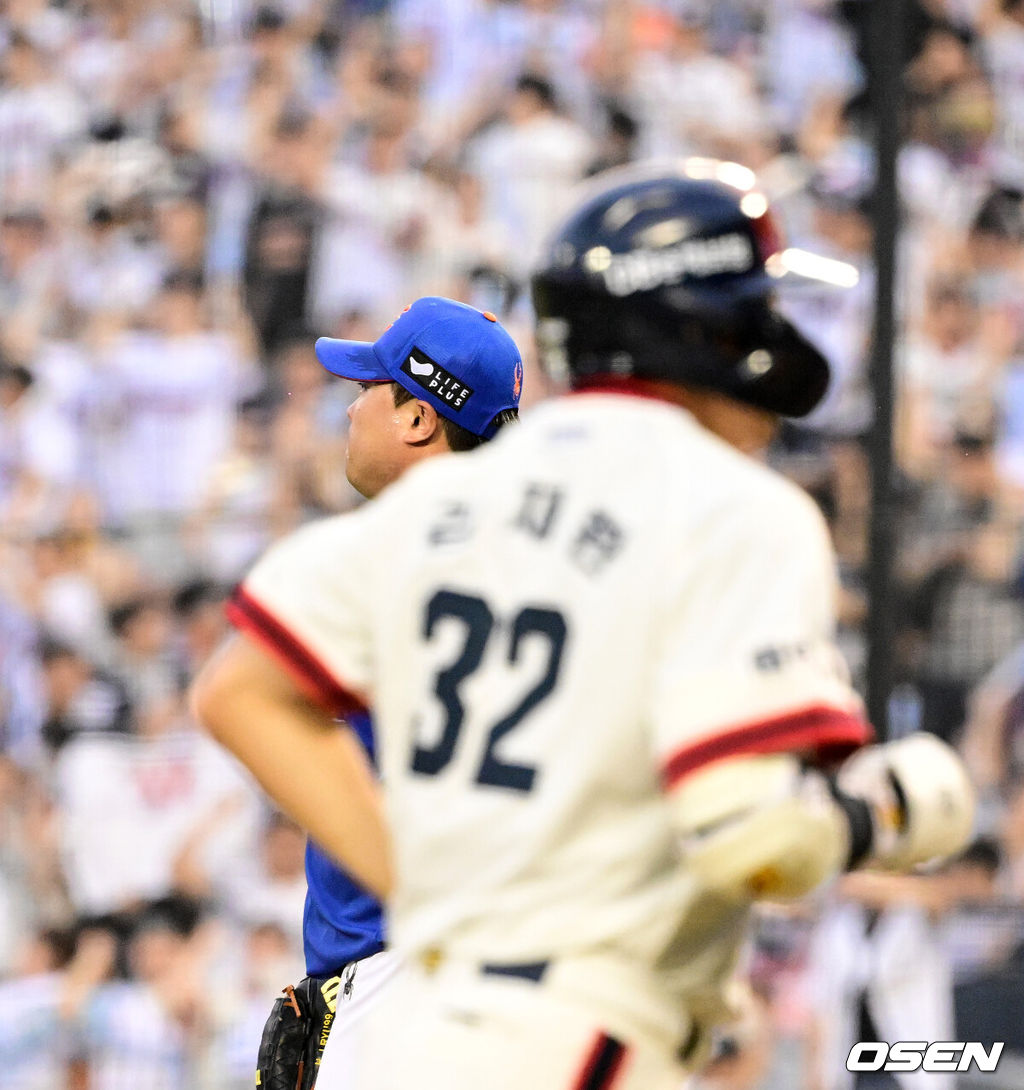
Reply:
x=668, y=273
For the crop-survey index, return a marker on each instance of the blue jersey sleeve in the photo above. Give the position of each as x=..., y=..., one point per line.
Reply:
x=341, y=922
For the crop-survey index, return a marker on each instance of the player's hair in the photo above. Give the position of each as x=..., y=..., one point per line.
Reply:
x=459, y=439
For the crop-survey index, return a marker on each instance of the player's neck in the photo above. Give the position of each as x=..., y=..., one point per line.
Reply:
x=745, y=427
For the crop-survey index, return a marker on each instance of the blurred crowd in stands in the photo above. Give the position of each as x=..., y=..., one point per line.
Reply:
x=190, y=192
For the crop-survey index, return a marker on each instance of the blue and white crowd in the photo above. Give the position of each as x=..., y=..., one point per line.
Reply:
x=191, y=191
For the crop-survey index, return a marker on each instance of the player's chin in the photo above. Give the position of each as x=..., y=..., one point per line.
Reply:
x=356, y=476
x=367, y=476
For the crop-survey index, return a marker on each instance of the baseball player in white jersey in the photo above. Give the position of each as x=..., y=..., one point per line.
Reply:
x=600, y=658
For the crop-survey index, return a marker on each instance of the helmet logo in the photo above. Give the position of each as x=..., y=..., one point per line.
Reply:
x=517, y=381
x=642, y=270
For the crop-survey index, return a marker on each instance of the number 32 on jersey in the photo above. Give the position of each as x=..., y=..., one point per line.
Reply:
x=479, y=627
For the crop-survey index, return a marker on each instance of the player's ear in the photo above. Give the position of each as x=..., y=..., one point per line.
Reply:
x=422, y=424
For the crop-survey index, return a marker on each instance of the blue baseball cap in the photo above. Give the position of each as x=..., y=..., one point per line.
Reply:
x=456, y=358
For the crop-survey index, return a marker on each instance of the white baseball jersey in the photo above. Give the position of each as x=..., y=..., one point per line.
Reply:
x=552, y=632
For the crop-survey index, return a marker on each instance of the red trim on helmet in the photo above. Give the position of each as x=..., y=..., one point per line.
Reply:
x=767, y=234
x=829, y=733
x=256, y=621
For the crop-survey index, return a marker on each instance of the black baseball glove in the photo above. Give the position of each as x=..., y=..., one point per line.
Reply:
x=296, y=1033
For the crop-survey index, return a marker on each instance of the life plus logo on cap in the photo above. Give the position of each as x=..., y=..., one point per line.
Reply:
x=433, y=377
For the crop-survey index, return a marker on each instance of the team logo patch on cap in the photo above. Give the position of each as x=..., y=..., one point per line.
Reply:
x=517, y=383
x=436, y=380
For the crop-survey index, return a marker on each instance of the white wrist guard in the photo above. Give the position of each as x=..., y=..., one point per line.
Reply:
x=919, y=796
x=760, y=827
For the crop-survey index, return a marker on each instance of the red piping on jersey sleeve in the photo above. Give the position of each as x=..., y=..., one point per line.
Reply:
x=829, y=732
x=255, y=620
